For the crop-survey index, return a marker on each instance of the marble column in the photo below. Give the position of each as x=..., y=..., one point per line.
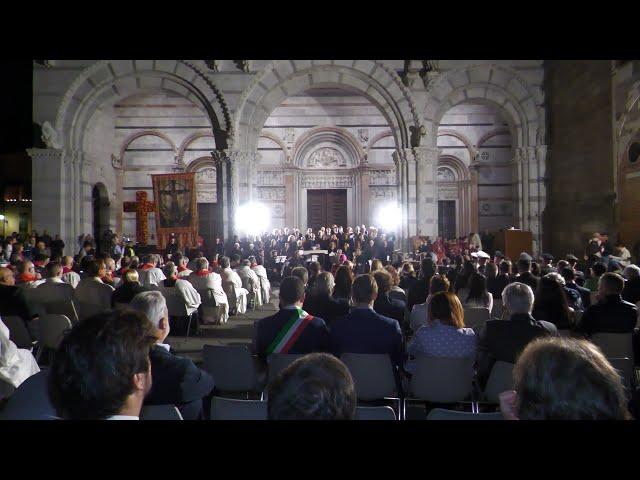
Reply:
x=518, y=187
x=412, y=194
x=233, y=160
x=222, y=194
x=289, y=200
x=426, y=190
x=401, y=182
x=364, y=198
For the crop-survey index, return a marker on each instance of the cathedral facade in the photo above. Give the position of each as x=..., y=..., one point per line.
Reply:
x=457, y=146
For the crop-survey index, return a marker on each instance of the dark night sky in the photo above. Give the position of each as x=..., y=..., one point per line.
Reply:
x=16, y=85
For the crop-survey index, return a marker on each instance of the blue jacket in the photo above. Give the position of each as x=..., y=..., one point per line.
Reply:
x=365, y=331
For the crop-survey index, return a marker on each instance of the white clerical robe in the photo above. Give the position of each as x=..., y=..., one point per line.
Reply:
x=16, y=364
x=250, y=282
x=190, y=295
x=265, y=285
x=211, y=283
x=72, y=278
x=231, y=282
x=151, y=277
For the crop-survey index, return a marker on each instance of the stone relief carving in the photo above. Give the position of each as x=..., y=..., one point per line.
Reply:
x=206, y=191
x=382, y=177
x=289, y=135
x=50, y=136
x=386, y=192
x=270, y=193
x=447, y=193
x=363, y=135
x=335, y=181
x=325, y=158
x=270, y=177
x=445, y=174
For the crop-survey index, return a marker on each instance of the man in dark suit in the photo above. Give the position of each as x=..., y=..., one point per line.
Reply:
x=569, y=276
x=503, y=340
x=12, y=298
x=364, y=330
x=611, y=314
x=320, y=303
x=291, y=330
x=176, y=380
x=384, y=305
x=420, y=289
x=547, y=264
x=524, y=273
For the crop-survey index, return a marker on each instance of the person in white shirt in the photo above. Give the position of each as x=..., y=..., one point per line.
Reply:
x=102, y=369
x=250, y=280
x=53, y=289
x=150, y=274
x=68, y=275
x=232, y=285
x=182, y=287
x=92, y=295
x=16, y=364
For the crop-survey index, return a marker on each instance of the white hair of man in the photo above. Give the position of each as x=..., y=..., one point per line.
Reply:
x=245, y=263
x=324, y=283
x=557, y=277
x=170, y=269
x=202, y=264
x=152, y=304
x=630, y=272
x=518, y=298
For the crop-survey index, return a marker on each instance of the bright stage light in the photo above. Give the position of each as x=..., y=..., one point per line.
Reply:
x=389, y=217
x=253, y=218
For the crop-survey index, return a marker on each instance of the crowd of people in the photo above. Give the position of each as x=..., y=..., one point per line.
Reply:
x=329, y=306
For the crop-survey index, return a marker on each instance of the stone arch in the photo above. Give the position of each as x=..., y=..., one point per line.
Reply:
x=109, y=79
x=465, y=192
x=489, y=135
x=201, y=162
x=376, y=138
x=281, y=79
x=336, y=135
x=279, y=141
x=188, y=141
x=493, y=84
x=144, y=133
x=455, y=164
x=467, y=143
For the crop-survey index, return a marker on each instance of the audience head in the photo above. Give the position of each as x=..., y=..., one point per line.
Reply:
x=505, y=267
x=202, y=264
x=364, y=290
x=131, y=276
x=67, y=261
x=53, y=270
x=376, y=265
x=317, y=386
x=102, y=367
x=561, y=265
x=559, y=378
x=383, y=280
x=491, y=270
x=631, y=272
x=135, y=262
x=7, y=277
x=610, y=284
x=477, y=286
x=557, y=277
x=324, y=284
x=96, y=268
x=154, y=306
x=599, y=269
x=427, y=268
x=407, y=269
x=518, y=298
x=177, y=259
x=344, y=278
x=439, y=283
x=302, y=274
x=313, y=269
x=245, y=263
x=524, y=265
x=446, y=307
x=224, y=262
x=170, y=270
x=395, y=277
x=291, y=291
x=568, y=274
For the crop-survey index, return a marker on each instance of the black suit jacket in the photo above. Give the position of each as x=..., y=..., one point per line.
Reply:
x=612, y=315
x=530, y=279
x=365, y=331
x=13, y=302
x=325, y=307
x=177, y=381
x=389, y=307
x=504, y=340
x=631, y=292
x=125, y=293
x=314, y=338
x=418, y=292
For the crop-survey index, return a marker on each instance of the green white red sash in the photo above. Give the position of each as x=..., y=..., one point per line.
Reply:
x=290, y=332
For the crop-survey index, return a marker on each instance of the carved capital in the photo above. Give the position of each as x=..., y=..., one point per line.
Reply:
x=427, y=154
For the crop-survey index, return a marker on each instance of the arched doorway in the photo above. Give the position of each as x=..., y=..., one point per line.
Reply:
x=100, y=200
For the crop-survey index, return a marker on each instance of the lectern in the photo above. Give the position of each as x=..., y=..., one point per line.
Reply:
x=513, y=242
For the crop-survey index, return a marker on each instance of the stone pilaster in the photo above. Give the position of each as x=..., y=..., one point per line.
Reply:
x=426, y=189
x=401, y=169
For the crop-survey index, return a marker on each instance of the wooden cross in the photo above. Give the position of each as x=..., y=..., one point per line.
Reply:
x=142, y=208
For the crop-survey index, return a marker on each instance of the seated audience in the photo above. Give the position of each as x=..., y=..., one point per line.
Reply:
x=384, y=305
x=91, y=289
x=176, y=380
x=250, y=281
x=16, y=364
x=320, y=303
x=420, y=289
x=462, y=279
x=315, y=387
x=444, y=335
x=611, y=314
x=477, y=296
x=129, y=288
x=407, y=276
x=597, y=270
x=631, y=291
x=303, y=274
x=68, y=274
x=551, y=303
x=30, y=401
x=26, y=275
x=261, y=272
x=291, y=329
x=365, y=331
x=54, y=289
x=525, y=274
x=313, y=269
x=183, y=287
x=102, y=368
x=569, y=276
x=396, y=292
x=564, y=379
x=12, y=299
x=181, y=264
x=343, y=283
x=232, y=284
x=504, y=339
x=420, y=312
x=209, y=286
x=150, y=274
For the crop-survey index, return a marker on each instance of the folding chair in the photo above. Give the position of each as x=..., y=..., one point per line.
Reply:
x=18, y=332
x=375, y=413
x=232, y=367
x=373, y=377
x=160, y=412
x=500, y=380
x=53, y=328
x=86, y=310
x=476, y=318
x=212, y=312
x=234, y=409
x=442, y=380
x=65, y=307
x=614, y=345
x=279, y=361
x=443, y=414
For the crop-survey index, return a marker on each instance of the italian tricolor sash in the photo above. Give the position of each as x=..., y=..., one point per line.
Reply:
x=290, y=332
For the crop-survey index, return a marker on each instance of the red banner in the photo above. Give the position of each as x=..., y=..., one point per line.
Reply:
x=176, y=209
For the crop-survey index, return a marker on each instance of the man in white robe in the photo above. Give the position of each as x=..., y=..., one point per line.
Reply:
x=265, y=285
x=232, y=285
x=150, y=275
x=181, y=265
x=16, y=364
x=209, y=286
x=250, y=281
